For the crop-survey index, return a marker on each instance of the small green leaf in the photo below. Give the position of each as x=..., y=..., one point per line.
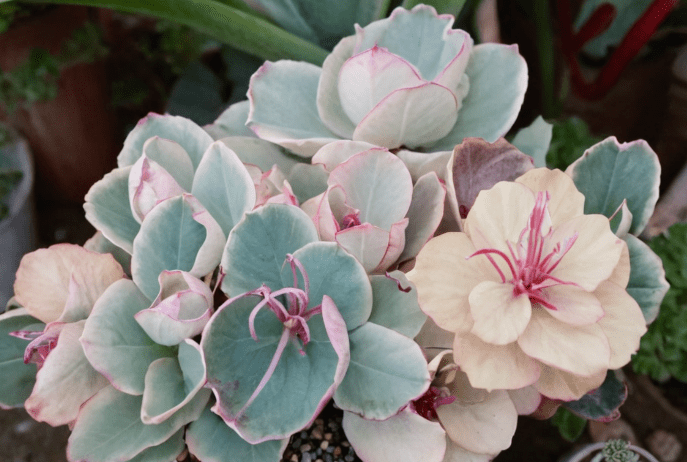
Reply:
x=569, y=425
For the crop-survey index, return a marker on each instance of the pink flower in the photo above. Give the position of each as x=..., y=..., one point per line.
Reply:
x=533, y=289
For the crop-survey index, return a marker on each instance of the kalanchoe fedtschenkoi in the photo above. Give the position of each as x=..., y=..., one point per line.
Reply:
x=383, y=87
x=371, y=207
x=534, y=290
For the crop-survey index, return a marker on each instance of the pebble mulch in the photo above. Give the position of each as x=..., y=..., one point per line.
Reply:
x=324, y=441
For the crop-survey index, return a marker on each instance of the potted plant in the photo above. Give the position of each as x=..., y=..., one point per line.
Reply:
x=17, y=221
x=614, y=450
x=391, y=253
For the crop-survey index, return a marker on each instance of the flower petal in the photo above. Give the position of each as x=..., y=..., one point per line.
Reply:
x=494, y=366
x=623, y=323
x=566, y=201
x=455, y=453
x=498, y=80
x=594, y=255
x=444, y=280
x=498, y=215
x=486, y=427
x=621, y=273
x=43, y=279
x=410, y=116
x=500, y=316
x=573, y=305
x=526, y=400
x=581, y=350
x=282, y=99
x=366, y=78
x=557, y=384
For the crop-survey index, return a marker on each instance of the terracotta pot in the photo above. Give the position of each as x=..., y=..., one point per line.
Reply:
x=74, y=136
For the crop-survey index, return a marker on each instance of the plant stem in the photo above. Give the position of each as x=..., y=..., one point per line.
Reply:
x=547, y=65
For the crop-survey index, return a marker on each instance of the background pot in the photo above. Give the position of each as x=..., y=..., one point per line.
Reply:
x=74, y=136
x=17, y=229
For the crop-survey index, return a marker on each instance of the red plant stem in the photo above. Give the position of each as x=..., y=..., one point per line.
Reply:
x=638, y=35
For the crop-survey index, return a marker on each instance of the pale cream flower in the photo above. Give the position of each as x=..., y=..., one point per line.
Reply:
x=534, y=290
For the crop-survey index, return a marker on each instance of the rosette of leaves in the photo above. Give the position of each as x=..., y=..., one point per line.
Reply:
x=171, y=176
x=305, y=323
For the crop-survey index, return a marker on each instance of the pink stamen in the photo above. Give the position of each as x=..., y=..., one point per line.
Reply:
x=350, y=220
x=530, y=272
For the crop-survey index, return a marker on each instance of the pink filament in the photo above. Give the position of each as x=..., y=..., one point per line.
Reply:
x=531, y=272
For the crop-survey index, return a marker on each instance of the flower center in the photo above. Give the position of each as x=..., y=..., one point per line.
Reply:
x=426, y=405
x=530, y=269
x=350, y=220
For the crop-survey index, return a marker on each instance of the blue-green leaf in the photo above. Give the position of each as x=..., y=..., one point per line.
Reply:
x=395, y=305
x=17, y=378
x=610, y=172
x=236, y=365
x=648, y=283
x=109, y=211
x=115, y=344
x=177, y=234
x=386, y=371
x=258, y=245
x=171, y=383
x=335, y=273
x=190, y=136
x=109, y=427
x=212, y=440
x=534, y=140
x=223, y=185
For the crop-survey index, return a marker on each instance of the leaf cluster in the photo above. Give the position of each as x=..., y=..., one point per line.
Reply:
x=663, y=349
